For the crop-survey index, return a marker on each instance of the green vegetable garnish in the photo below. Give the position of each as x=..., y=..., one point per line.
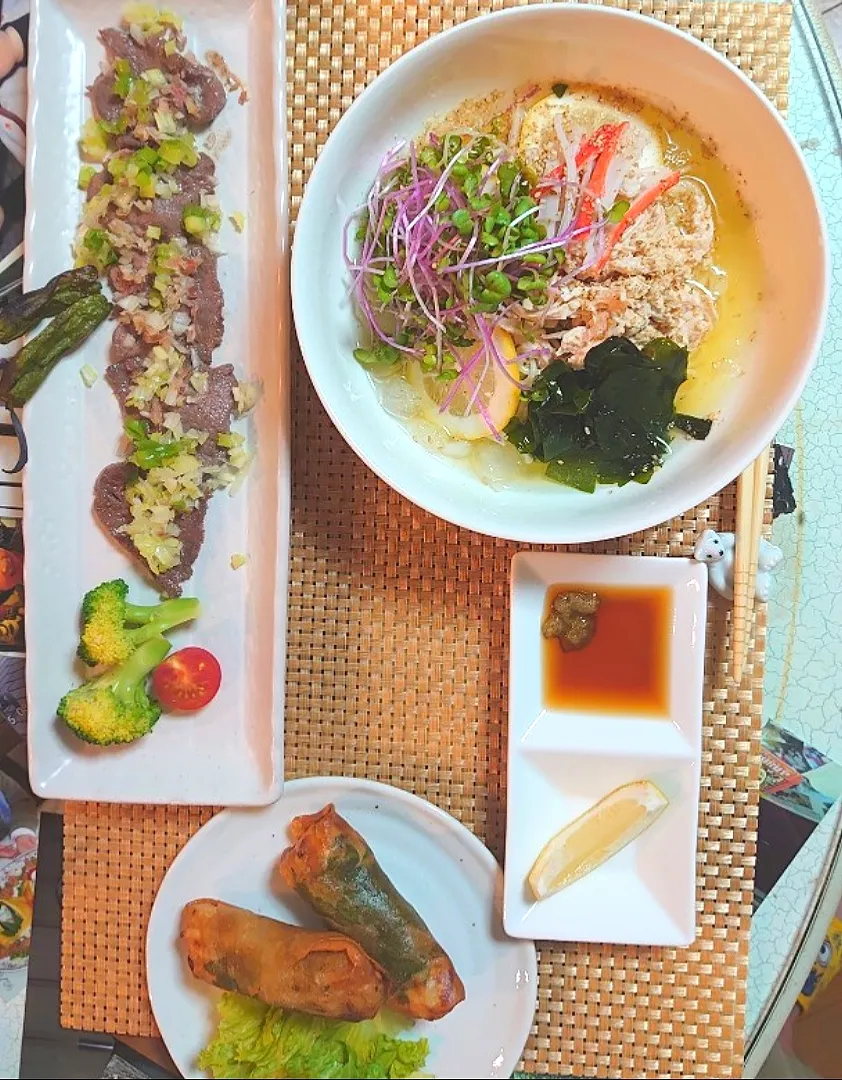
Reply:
x=380, y=353
x=199, y=221
x=115, y=708
x=88, y=375
x=86, y=174
x=498, y=283
x=180, y=151
x=93, y=145
x=254, y=1040
x=462, y=222
x=112, y=628
x=151, y=451
x=123, y=78
x=24, y=373
x=22, y=313
x=96, y=250
x=618, y=211
x=609, y=422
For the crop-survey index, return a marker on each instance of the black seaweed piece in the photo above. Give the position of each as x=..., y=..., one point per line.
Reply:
x=783, y=495
x=609, y=422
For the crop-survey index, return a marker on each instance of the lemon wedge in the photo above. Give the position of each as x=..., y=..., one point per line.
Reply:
x=462, y=419
x=602, y=831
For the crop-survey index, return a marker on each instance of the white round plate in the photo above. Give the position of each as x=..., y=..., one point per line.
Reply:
x=436, y=863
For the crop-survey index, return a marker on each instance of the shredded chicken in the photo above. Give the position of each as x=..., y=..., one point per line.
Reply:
x=650, y=287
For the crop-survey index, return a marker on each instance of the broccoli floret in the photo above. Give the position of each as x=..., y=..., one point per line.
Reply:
x=115, y=708
x=112, y=628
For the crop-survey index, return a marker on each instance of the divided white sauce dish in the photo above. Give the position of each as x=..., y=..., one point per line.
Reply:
x=560, y=763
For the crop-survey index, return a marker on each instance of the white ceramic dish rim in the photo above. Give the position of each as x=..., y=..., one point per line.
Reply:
x=419, y=806
x=639, y=517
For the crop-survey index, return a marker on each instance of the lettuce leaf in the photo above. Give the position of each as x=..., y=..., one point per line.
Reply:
x=255, y=1041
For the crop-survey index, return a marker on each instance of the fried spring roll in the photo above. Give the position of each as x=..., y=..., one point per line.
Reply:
x=332, y=867
x=312, y=971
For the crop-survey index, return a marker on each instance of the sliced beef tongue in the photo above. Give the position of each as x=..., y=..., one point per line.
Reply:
x=97, y=181
x=112, y=512
x=166, y=213
x=120, y=45
x=212, y=410
x=119, y=378
x=104, y=102
x=192, y=535
x=127, y=349
x=204, y=87
x=205, y=303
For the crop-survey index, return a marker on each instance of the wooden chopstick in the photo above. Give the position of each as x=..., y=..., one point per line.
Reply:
x=751, y=504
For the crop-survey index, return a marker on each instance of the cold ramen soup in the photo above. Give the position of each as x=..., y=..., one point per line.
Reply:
x=554, y=284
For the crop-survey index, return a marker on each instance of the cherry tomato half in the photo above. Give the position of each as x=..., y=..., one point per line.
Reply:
x=187, y=680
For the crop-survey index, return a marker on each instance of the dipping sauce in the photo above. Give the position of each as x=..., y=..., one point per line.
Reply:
x=624, y=669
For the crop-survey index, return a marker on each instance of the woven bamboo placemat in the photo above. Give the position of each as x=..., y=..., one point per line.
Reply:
x=397, y=666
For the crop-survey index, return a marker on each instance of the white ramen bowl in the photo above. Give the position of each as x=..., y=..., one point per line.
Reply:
x=678, y=75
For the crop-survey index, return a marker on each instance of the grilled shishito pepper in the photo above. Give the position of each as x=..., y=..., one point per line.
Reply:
x=24, y=373
x=22, y=313
x=332, y=867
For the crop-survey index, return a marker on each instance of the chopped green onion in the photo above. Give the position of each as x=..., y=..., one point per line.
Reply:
x=155, y=77
x=618, y=211
x=180, y=151
x=93, y=145
x=123, y=78
x=97, y=249
x=238, y=560
x=145, y=184
x=199, y=221
x=86, y=174
x=88, y=375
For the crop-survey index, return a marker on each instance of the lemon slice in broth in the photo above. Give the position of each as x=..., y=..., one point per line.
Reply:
x=498, y=394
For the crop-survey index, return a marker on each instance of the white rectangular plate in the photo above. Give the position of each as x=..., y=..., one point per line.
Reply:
x=232, y=751
x=561, y=763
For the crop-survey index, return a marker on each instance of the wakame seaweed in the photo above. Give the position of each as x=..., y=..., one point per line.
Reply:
x=610, y=421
